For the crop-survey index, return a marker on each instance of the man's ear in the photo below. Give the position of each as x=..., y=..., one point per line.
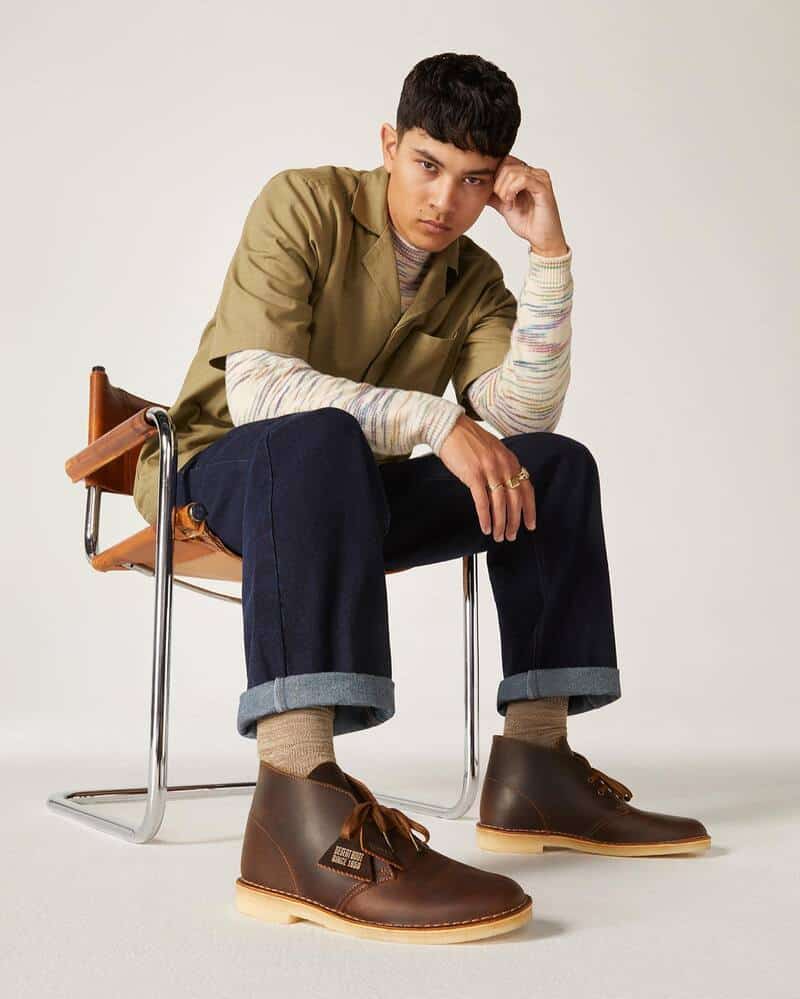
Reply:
x=388, y=145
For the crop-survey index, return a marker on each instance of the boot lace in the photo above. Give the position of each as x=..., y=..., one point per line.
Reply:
x=384, y=817
x=605, y=784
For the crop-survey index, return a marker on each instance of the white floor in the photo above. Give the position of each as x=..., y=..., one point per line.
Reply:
x=88, y=915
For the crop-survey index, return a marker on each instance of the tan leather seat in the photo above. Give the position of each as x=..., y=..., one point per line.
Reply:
x=117, y=431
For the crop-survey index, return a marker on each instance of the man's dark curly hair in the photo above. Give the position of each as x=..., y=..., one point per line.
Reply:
x=461, y=99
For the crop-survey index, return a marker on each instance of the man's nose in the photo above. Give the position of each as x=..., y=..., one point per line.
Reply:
x=443, y=201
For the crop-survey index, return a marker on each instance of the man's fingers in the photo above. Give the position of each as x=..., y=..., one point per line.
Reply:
x=528, y=504
x=481, y=499
x=513, y=512
x=498, y=499
x=501, y=510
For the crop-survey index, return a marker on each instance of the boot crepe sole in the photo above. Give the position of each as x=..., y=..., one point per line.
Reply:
x=273, y=906
x=509, y=841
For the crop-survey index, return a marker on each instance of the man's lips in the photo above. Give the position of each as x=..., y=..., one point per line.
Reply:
x=435, y=225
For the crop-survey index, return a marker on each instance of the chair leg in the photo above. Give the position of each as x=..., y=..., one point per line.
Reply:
x=470, y=780
x=74, y=804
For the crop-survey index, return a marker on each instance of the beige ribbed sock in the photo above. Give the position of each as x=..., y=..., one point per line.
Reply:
x=296, y=741
x=542, y=721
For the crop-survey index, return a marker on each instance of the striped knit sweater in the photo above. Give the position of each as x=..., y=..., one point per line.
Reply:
x=524, y=393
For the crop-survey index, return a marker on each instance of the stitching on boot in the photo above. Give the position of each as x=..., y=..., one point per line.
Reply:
x=355, y=890
x=525, y=798
x=375, y=922
x=602, y=821
x=274, y=842
x=322, y=783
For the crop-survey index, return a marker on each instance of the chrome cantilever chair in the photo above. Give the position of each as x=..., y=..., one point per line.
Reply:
x=181, y=543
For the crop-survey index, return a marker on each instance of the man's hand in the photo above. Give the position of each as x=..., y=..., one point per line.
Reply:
x=524, y=197
x=479, y=459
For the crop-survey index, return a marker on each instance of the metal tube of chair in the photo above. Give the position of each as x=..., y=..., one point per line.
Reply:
x=162, y=629
x=91, y=521
x=469, y=784
x=155, y=795
x=146, y=571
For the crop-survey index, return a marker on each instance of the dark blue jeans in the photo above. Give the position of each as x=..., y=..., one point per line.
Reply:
x=318, y=521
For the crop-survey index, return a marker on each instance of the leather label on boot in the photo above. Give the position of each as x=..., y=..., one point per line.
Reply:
x=345, y=856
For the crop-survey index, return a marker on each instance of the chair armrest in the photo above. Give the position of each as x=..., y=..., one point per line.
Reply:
x=131, y=433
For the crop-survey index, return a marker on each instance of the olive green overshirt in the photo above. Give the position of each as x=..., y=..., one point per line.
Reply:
x=314, y=275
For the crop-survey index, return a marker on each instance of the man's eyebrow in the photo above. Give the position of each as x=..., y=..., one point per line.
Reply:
x=467, y=173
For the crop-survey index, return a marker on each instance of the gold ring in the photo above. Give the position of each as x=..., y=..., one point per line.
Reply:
x=513, y=482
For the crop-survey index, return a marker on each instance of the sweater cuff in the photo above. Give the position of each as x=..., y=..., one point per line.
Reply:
x=443, y=417
x=550, y=272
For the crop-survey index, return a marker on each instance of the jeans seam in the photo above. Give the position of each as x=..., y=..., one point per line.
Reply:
x=265, y=441
x=538, y=559
x=528, y=688
x=280, y=699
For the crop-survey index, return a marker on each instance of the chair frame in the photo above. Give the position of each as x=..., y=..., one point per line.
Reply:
x=77, y=804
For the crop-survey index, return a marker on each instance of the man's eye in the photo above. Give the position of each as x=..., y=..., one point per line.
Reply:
x=427, y=163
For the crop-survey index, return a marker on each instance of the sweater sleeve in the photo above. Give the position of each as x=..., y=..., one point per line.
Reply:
x=526, y=392
x=260, y=384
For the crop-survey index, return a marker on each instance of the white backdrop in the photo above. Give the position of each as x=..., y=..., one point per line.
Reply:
x=136, y=137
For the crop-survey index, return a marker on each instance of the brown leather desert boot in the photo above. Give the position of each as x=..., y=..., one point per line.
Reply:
x=535, y=797
x=323, y=849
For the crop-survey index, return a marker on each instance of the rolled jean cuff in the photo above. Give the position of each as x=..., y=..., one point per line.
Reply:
x=361, y=699
x=588, y=687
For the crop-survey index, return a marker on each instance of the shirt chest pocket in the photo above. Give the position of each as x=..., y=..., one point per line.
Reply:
x=422, y=362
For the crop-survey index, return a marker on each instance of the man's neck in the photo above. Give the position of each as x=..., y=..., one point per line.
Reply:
x=415, y=251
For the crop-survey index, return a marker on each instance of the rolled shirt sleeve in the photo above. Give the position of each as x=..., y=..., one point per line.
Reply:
x=265, y=299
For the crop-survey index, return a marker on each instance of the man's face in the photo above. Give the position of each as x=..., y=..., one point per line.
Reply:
x=434, y=181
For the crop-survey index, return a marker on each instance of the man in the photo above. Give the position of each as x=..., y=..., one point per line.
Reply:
x=351, y=301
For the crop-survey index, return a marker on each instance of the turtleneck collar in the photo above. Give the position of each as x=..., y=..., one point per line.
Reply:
x=418, y=254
